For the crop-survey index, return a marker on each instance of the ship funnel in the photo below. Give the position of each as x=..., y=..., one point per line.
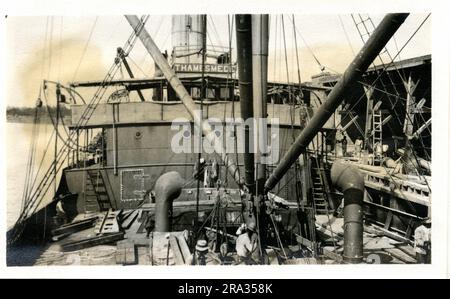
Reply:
x=350, y=181
x=167, y=188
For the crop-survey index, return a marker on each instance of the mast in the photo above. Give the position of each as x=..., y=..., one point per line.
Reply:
x=203, y=91
x=244, y=60
x=202, y=97
x=373, y=46
x=260, y=50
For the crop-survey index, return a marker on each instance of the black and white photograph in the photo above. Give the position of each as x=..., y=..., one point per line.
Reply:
x=232, y=139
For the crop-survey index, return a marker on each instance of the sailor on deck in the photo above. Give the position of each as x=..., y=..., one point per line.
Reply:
x=344, y=146
x=247, y=244
x=202, y=256
x=422, y=242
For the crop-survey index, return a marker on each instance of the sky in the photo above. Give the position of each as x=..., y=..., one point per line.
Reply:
x=69, y=48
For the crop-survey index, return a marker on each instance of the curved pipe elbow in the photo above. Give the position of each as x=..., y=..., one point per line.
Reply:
x=350, y=181
x=346, y=176
x=167, y=189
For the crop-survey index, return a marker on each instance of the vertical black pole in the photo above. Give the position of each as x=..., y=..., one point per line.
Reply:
x=58, y=96
x=202, y=96
x=244, y=60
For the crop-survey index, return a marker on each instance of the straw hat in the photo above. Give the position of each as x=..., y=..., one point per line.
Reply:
x=202, y=245
x=251, y=226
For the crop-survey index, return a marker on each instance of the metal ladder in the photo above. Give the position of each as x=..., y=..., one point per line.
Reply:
x=96, y=194
x=377, y=135
x=320, y=187
x=319, y=190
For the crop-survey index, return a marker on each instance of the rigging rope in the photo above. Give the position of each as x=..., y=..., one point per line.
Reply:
x=298, y=61
x=203, y=94
x=215, y=31
x=346, y=35
x=384, y=69
x=60, y=48
x=66, y=140
x=291, y=109
x=42, y=188
x=45, y=49
x=36, y=175
x=50, y=53
x=309, y=49
x=212, y=44
x=30, y=160
x=85, y=48
x=155, y=35
x=407, y=90
x=373, y=84
x=278, y=236
x=137, y=66
x=275, y=50
x=230, y=37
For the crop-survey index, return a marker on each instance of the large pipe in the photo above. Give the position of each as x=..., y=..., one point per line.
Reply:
x=355, y=70
x=349, y=180
x=184, y=96
x=244, y=60
x=260, y=52
x=167, y=188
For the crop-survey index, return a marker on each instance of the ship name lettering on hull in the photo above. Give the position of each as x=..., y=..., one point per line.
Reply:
x=197, y=68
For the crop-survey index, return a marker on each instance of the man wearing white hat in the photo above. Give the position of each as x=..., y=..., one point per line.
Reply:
x=247, y=244
x=202, y=256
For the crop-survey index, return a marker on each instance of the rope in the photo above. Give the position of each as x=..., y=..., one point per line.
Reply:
x=155, y=35
x=45, y=48
x=298, y=61
x=30, y=159
x=137, y=66
x=60, y=47
x=291, y=102
x=278, y=237
x=346, y=35
x=215, y=31
x=213, y=211
x=41, y=163
x=309, y=49
x=66, y=140
x=50, y=48
x=212, y=44
x=202, y=95
x=402, y=77
x=85, y=48
x=165, y=41
x=385, y=69
x=230, y=34
x=43, y=186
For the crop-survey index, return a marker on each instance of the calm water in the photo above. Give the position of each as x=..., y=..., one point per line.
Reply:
x=18, y=138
